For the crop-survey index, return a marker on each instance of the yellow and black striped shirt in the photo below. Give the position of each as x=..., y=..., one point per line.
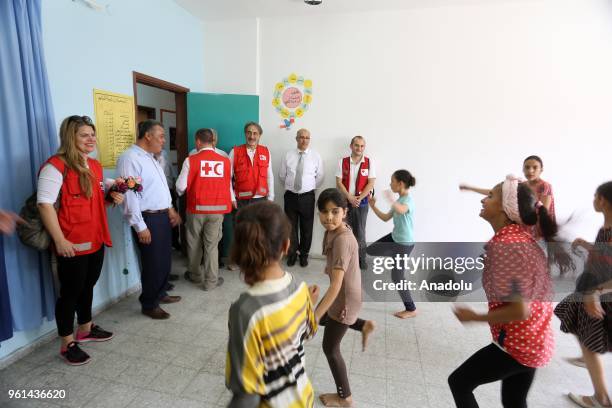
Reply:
x=266, y=363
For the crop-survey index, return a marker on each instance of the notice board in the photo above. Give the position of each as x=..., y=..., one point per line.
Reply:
x=115, y=127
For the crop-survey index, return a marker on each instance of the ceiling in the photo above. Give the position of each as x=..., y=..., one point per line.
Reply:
x=238, y=9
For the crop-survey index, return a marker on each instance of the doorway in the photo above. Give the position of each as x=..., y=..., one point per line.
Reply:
x=166, y=102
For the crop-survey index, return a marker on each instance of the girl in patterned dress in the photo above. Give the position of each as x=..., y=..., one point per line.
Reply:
x=517, y=283
x=587, y=313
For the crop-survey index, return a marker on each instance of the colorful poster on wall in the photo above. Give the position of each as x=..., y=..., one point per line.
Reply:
x=292, y=98
x=115, y=126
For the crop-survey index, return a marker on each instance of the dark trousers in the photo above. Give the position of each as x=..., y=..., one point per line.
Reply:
x=487, y=365
x=77, y=277
x=176, y=231
x=332, y=337
x=300, y=211
x=387, y=247
x=155, y=260
x=244, y=203
x=357, y=218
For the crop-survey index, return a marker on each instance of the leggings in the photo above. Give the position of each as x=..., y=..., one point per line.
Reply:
x=77, y=277
x=386, y=246
x=487, y=365
x=332, y=337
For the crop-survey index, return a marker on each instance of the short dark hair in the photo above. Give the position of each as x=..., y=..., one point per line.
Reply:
x=605, y=190
x=146, y=126
x=405, y=177
x=205, y=136
x=334, y=195
x=246, y=126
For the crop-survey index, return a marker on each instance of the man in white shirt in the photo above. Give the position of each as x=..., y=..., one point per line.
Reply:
x=355, y=178
x=151, y=215
x=301, y=172
x=206, y=177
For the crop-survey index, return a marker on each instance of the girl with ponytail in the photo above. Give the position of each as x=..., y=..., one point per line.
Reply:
x=270, y=322
x=517, y=283
x=401, y=240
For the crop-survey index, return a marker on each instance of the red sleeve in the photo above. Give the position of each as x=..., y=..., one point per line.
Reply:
x=512, y=271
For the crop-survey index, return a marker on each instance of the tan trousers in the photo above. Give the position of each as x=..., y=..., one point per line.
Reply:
x=204, y=231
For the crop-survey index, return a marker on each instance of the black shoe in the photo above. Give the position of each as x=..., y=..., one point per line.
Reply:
x=291, y=260
x=173, y=277
x=74, y=355
x=96, y=333
x=303, y=262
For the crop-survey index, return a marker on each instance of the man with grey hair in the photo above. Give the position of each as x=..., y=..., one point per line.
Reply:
x=301, y=172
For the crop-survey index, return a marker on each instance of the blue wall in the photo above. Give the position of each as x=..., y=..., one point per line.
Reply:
x=86, y=49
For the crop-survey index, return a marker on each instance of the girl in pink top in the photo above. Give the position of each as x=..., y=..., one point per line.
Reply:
x=517, y=283
x=532, y=169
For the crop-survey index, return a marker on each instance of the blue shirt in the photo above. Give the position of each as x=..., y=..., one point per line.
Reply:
x=155, y=195
x=403, y=224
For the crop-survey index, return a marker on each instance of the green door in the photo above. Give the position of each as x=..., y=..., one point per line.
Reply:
x=227, y=114
x=223, y=112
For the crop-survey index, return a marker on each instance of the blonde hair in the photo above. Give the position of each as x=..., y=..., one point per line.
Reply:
x=69, y=153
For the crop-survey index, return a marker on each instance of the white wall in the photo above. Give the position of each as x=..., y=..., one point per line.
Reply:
x=231, y=50
x=453, y=94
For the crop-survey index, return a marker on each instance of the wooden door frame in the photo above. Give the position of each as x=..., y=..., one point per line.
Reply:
x=180, y=105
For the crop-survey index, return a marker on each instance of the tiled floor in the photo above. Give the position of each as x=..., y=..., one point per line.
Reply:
x=180, y=362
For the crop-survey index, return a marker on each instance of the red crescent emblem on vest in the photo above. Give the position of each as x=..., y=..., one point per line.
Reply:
x=216, y=169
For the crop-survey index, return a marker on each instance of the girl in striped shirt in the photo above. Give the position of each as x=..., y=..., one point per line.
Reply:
x=269, y=323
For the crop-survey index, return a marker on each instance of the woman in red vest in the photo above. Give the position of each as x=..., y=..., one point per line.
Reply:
x=72, y=207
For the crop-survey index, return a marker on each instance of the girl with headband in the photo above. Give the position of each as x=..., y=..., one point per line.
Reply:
x=517, y=283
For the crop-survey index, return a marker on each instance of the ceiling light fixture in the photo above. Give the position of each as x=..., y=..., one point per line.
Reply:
x=313, y=2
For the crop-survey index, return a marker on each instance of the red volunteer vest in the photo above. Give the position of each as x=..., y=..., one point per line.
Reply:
x=362, y=174
x=251, y=179
x=82, y=220
x=209, y=183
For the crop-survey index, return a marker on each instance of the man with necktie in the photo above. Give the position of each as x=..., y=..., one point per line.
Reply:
x=301, y=172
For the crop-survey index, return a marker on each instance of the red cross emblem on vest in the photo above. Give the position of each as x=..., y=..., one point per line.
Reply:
x=209, y=168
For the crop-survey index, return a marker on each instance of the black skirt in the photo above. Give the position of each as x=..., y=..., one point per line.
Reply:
x=594, y=334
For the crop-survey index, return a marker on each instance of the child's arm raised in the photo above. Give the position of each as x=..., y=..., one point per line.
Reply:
x=335, y=285
x=383, y=216
x=465, y=187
